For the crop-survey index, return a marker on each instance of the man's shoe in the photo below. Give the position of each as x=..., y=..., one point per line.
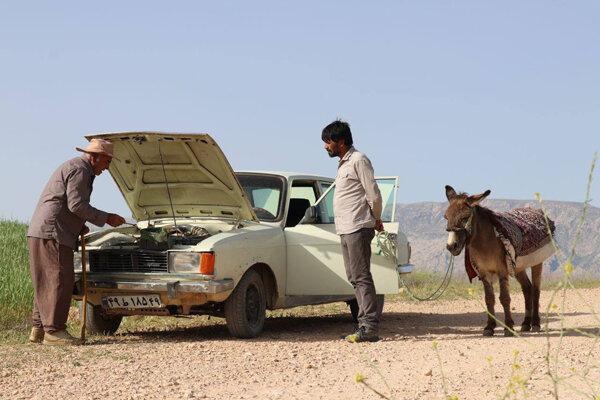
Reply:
x=36, y=335
x=362, y=335
x=60, y=338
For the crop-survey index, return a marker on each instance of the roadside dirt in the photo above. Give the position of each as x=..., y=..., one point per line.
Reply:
x=302, y=357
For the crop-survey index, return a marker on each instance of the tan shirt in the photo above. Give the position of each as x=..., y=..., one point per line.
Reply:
x=64, y=205
x=357, y=200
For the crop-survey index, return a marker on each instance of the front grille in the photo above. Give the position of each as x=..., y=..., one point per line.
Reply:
x=128, y=261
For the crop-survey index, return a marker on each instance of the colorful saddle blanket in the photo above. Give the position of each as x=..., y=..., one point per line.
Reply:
x=523, y=232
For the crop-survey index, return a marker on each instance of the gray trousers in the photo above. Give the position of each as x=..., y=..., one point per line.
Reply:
x=52, y=275
x=356, y=249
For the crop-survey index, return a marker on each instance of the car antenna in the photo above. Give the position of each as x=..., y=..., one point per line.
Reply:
x=167, y=183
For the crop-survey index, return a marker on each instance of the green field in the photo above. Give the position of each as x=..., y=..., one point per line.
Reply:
x=16, y=293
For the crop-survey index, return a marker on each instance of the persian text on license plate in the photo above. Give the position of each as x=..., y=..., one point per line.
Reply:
x=132, y=301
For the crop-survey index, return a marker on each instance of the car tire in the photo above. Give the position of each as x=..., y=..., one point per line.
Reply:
x=353, y=304
x=97, y=322
x=245, y=308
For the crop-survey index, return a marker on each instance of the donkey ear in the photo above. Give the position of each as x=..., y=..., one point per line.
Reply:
x=477, y=198
x=450, y=192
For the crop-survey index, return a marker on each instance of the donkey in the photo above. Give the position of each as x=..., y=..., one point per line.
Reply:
x=489, y=253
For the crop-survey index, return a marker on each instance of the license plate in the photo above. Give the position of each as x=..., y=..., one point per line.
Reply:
x=132, y=301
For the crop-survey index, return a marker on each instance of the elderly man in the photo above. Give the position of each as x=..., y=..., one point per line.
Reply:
x=60, y=216
x=357, y=210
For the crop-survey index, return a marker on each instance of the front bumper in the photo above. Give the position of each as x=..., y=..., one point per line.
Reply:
x=172, y=290
x=208, y=287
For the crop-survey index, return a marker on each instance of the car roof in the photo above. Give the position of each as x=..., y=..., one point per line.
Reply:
x=290, y=175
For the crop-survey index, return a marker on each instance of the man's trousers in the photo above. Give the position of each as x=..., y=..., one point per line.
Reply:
x=52, y=275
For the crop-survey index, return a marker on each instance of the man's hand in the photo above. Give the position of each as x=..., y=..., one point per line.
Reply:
x=85, y=230
x=378, y=225
x=115, y=220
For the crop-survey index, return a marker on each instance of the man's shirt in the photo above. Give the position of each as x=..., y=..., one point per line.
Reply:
x=64, y=205
x=357, y=201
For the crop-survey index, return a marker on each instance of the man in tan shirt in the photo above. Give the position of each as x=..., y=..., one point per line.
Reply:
x=59, y=218
x=357, y=208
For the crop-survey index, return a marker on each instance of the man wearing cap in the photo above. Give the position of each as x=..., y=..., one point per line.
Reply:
x=59, y=218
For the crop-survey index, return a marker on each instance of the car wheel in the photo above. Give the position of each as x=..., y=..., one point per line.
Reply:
x=245, y=308
x=97, y=322
x=353, y=304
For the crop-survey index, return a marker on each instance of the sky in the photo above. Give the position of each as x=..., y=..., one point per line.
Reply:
x=480, y=95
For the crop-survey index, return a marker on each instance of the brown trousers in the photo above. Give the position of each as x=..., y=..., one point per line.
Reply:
x=356, y=249
x=52, y=275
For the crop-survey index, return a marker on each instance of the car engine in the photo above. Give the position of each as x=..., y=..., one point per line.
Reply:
x=143, y=252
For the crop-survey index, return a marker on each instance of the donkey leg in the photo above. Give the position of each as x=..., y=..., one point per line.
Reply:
x=525, y=283
x=489, y=302
x=536, y=276
x=505, y=301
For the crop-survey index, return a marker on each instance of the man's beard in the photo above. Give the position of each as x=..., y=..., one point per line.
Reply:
x=332, y=153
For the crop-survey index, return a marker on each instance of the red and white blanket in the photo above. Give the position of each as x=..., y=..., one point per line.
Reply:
x=525, y=235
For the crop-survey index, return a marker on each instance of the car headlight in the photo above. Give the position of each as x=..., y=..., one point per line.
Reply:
x=184, y=262
x=203, y=263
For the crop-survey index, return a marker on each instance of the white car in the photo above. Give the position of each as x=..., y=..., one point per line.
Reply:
x=209, y=241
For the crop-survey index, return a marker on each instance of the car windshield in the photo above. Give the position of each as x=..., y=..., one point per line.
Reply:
x=265, y=193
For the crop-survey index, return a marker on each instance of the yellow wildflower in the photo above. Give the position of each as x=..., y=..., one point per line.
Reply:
x=568, y=268
x=359, y=378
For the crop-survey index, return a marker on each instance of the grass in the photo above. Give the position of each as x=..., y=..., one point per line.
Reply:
x=16, y=292
x=423, y=283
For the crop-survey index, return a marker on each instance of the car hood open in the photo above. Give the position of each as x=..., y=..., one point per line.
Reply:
x=199, y=180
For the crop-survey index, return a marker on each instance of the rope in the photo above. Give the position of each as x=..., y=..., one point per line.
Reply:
x=167, y=184
x=437, y=293
x=387, y=247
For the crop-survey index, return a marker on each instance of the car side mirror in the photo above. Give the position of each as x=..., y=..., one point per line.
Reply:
x=310, y=216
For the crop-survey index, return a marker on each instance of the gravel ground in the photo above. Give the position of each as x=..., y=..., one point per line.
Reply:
x=300, y=356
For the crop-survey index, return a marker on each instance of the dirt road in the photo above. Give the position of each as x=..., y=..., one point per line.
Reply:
x=300, y=356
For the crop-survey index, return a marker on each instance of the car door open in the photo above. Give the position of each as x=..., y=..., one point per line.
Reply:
x=315, y=265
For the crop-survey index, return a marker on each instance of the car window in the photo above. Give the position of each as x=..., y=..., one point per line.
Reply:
x=304, y=192
x=265, y=193
x=325, y=208
x=387, y=187
x=267, y=198
x=323, y=186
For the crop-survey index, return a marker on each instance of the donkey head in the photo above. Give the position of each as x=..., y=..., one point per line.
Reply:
x=460, y=218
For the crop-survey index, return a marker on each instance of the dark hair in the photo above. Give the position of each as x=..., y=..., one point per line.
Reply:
x=337, y=130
